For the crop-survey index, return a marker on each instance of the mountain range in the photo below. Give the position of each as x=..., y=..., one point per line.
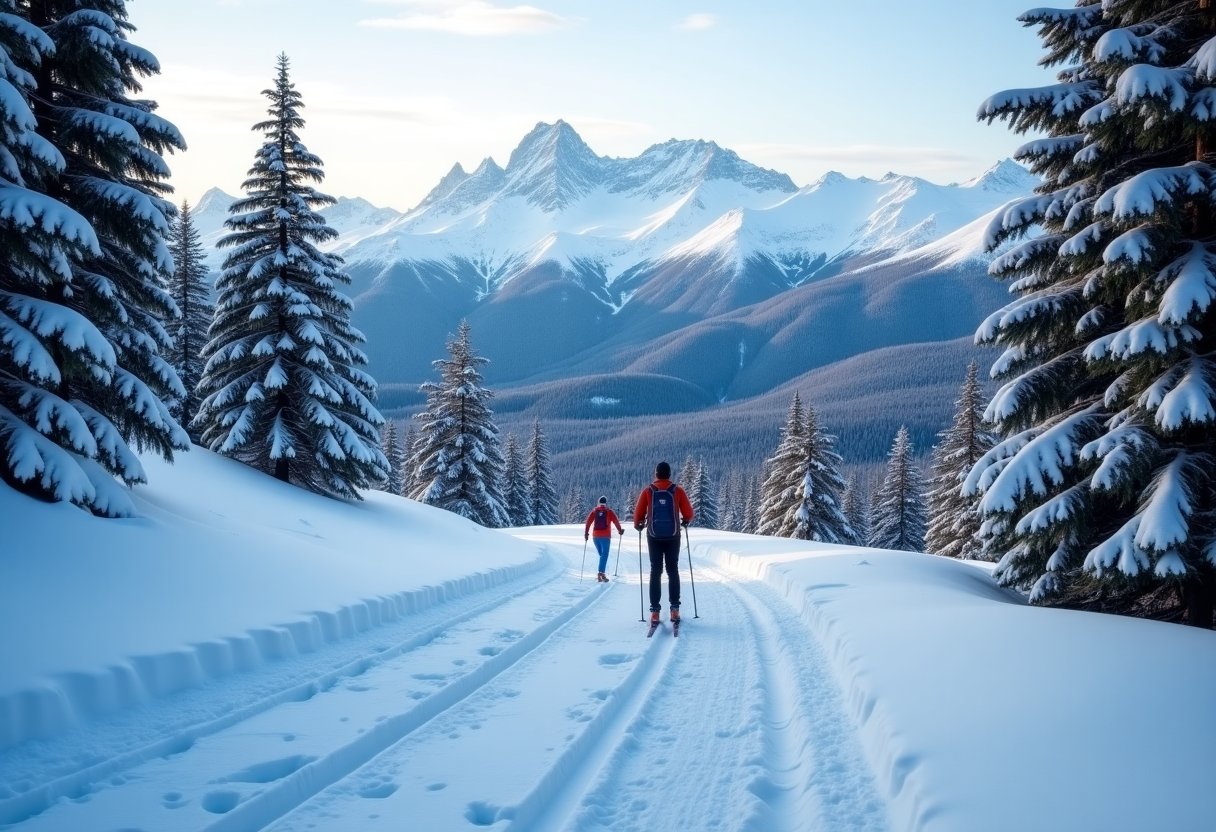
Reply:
x=684, y=279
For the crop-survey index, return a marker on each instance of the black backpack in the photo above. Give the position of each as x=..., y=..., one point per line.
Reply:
x=601, y=519
x=663, y=519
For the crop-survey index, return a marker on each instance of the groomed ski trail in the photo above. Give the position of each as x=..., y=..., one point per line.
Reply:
x=540, y=706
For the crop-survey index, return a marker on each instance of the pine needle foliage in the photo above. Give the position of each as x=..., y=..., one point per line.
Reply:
x=542, y=496
x=780, y=495
x=282, y=389
x=83, y=375
x=954, y=517
x=1104, y=479
x=188, y=286
x=390, y=446
x=515, y=483
x=459, y=460
x=898, y=518
x=819, y=516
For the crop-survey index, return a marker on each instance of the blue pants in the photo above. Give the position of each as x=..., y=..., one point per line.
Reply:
x=603, y=545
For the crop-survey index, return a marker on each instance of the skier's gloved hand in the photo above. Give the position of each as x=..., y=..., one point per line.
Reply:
x=684, y=524
x=586, y=536
x=639, y=526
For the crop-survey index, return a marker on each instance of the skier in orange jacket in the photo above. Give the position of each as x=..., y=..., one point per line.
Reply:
x=662, y=509
x=603, y=518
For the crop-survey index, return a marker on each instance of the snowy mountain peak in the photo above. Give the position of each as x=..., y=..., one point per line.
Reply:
x=214, y=201
x=552, y=167
x=832, y=178
x=446, y=185
x=1006, y=176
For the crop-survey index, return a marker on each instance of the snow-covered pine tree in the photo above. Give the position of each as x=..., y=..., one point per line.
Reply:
x=82, y=224
x=781, y=492
x=875, y=499
x=572, y=507
x=542, y=496
x=282, y=390
x=954, y=519
x=515, y=483
x=728, y=509
x=853, y=504
x=188, y=286
x=459, y=460
x=751, y=506
x=409, y=464
x=705, y=508
x=898, y=521
x=390, y=446
x=688, y=478
x=1103, y=485
x=818, y=515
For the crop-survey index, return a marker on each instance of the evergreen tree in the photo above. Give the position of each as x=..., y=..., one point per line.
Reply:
x=781, y=491
x=541, y=494
x=688, y=478
x=459, y=460
x=898, y=521
x=515, y=483
x=82, y=255
x=1104, y=484
x=390, y=446
x=853, y=504
x=954, y=519
x=872, y=512
x=751, y=506
x=818, y=515
x=728, y=507
x=409, y=462
x=188, y=286
x=705, y=508
x=282, y=390
x=629, y=501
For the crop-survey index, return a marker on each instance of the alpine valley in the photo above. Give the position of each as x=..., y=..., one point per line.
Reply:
x=610, y=293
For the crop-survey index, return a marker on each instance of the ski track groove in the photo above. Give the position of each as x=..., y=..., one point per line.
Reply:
x=818, y=778
x=785, y=755
x=711, y=687
x=289, y=792
x=76, y=783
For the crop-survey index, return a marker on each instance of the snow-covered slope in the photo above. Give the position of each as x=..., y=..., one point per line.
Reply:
x=244, y=655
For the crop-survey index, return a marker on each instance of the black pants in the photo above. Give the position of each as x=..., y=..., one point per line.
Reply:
x=664, y=552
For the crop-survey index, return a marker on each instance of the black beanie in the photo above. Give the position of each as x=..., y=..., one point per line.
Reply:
x=662, y=471
x=603, y=501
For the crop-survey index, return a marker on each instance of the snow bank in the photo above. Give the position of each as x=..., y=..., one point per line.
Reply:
x=978, y=712
x=223, y=569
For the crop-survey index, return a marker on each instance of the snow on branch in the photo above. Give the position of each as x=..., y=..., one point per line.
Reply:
x=1141, y=194
x=1203, y=62
x=1191, y=286
x=1062, y=98
x=1190, y=401
x=1127, y=45
x=1033, y=461
x=1139, y=337
x=1147, y=81
x=32, y=210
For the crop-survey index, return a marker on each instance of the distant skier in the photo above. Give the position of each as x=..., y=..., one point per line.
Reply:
x=602, y=519
x=662, y=509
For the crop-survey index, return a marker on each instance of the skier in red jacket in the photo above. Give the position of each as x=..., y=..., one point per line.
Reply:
x=603, y=518
x=662, y=509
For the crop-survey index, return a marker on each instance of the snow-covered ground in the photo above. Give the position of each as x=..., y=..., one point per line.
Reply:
x=245, y=656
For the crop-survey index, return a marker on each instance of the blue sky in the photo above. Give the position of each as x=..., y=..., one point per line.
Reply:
x=397, y=91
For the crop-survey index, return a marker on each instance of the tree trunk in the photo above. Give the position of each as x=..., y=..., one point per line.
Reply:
x=1199, y=593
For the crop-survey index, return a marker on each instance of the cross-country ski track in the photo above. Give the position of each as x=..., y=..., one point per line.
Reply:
x=536, y=705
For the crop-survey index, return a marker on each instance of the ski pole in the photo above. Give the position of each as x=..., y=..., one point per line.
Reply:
x=584, y=566
x=620, y=538
x=691, y=579
x=641, y=603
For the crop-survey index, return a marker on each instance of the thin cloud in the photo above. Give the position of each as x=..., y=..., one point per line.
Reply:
x=697, y=22
x=470, y=18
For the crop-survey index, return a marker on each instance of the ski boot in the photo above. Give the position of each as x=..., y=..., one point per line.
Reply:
x=654, y=623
